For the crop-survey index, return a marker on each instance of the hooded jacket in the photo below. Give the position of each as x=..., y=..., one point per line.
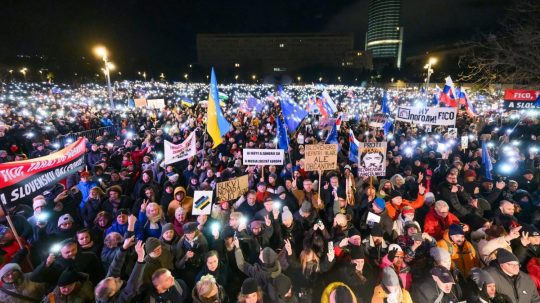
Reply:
x=463, y=258
x=186, y=203
x=394, y=211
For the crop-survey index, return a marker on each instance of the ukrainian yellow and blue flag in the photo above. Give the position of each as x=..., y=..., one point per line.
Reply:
x=217, y=126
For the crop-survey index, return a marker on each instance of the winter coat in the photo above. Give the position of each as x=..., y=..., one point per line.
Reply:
x=463, y=258
x=262, y=274
x=487, y=247
x=178, y=293
x=84, y=188
x=85, y=262
x=394, y=211
x=435, y=226
x=427, y=290
x=404, y=272
x=143, y=228
x=83, y=293
x=130, y=288
x=186, y=203
x=533, y=268
x=26, y=288
x=325, y=298
x=380, y=295
x=521, y=289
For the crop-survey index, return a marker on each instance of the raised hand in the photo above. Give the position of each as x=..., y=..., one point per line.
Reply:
x=288, y=247
x=421, y=189
x=525, y=241
x=139, y=249
x=267, y=220
x=128, y=242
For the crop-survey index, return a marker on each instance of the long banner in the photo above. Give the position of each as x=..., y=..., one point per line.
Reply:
x=179, y=152
x=372, y=159
x=21, y=181
x=427, y=115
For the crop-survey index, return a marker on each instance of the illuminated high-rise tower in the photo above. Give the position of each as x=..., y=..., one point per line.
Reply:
x=384, y=37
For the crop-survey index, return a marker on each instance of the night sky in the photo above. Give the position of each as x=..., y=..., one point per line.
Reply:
x=161, y=33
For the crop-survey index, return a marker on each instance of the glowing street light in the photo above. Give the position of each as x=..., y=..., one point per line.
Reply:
x=102, y=53
x=432, y=61
x=23, y=71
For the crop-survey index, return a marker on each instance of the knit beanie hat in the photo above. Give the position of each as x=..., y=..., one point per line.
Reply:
x=282, y=284
x=249, y=286
x=69, y=276
x=151, y=244
x=9, y=267
x=286, y=214
x=356, y=252
x=305, y=208
x=455, y=229
x=166, y=227
x=389, y=277
x=380, y=203
x=504, y=256
x=269, y=256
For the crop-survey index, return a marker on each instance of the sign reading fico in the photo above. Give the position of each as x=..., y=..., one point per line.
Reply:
x=263, y=156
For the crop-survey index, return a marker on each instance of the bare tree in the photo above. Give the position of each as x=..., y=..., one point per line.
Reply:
x=510, y=56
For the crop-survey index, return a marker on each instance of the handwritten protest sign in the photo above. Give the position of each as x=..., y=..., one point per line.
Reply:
x=372, y=159
x=321, y=157
x=232, y=189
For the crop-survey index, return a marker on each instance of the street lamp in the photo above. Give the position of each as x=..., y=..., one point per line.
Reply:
x=102, y=53
x=186, y=77
x=23, y=71
x=432, y=61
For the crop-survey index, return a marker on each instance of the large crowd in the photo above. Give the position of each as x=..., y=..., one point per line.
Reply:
x=439, y=227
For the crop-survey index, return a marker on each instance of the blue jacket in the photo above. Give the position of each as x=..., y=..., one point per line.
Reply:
x=116, y=227
x=143, y=230
x=85, y=187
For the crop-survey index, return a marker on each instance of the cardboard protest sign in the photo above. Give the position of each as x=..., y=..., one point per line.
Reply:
x=465, y=142
x=320, y=157
x=263, y=156
x=232, y=189
x=427, y=115
x=372, y=159
x=140, y=102
x=156, y=103
x=202, y=202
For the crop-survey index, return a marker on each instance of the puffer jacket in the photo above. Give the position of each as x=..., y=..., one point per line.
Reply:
x=394, y=211
x=325, y=298
x=464, y=258
x=435, y=226
x=379, y=295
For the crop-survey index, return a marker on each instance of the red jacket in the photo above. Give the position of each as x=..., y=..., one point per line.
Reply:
x=435, y=226
x=533, y=267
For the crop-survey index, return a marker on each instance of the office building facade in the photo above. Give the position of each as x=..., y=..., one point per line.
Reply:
x=384, y=37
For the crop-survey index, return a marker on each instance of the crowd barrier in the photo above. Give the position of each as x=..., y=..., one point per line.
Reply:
x=91, y=134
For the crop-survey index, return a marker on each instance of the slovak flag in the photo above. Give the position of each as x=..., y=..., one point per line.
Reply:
x=338, y=122
x=328, y=103
x=471, y=111
x=448, y=94
x=353, y=147
x=322, y=109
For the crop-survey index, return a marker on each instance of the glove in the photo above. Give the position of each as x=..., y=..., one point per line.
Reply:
x=392, y=254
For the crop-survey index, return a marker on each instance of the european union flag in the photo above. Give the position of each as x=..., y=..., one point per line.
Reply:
x=283, y=139
x=332, y=136
x=486, y=160
x=293, y=114
x=385, y=108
